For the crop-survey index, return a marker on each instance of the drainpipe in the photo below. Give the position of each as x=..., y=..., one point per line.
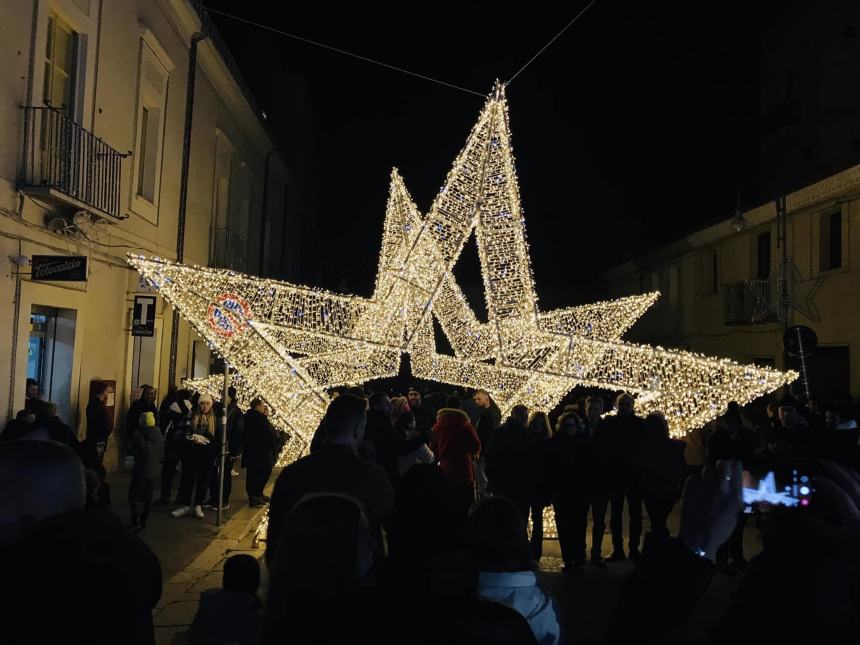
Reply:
x=16, y=311
x=265, y=210
x=183, y=193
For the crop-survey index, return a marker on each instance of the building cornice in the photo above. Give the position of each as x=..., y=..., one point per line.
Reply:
x=186, y=22
x=838, y=188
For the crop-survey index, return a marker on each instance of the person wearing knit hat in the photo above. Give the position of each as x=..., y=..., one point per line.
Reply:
x=197, y=453
x=147, y=448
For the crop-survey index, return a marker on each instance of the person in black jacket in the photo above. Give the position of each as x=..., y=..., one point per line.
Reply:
x=147, y=448
x=235, y=427
x=539, y=486
x=489, y=421
x=425, y=415
x=578, y=475
x=146, y=403
x=233, y=614
x=99, y=429
x=260, y=451
x=507, y=460
x=731, y=441
x=174, y=419
x=624, y=432
x=57, y=430
x=376, y=447
x=663, y=471
x=71, y=570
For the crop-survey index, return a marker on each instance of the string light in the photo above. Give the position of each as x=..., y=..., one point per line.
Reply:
x=289, y=344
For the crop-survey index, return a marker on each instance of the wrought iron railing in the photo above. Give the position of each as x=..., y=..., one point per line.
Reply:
x=61, y=156
x=226, y=249
x=749, y=302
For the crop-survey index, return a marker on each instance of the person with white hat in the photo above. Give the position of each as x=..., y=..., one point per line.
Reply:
x=198, y=458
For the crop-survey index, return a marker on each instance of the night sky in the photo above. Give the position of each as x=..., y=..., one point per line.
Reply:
x=637, y=125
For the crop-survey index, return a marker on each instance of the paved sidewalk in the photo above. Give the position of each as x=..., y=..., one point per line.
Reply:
x=191, y=551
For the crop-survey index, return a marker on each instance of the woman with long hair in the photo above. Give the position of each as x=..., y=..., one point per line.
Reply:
x=540, y=490
x=198, y=457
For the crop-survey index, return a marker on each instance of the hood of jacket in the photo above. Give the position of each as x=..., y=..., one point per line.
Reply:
x=150, y=433
x=180, y=407
x=451, y=417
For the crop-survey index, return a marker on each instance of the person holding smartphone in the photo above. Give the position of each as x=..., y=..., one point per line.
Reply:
x=731, y=441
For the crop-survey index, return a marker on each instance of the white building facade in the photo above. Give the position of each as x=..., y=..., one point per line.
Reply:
x=94, y=98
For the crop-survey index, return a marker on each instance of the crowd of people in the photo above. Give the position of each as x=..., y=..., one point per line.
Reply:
x=179, y=436
x=421, y=519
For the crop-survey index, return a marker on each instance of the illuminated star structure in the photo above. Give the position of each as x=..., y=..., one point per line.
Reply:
x=290, y=344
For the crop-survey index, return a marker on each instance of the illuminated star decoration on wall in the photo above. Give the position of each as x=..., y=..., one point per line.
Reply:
x=290, y=344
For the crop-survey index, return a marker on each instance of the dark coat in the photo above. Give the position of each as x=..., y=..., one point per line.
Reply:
x=147, y=447
x=425, y=418
x=235, y=430
x=663, y=469
x=227, y=618
x=579, y=463
x=80, y=577
x=333, y=469
x=490, y=420
x=99, y=424
x=623, y=440
x=59, y=431
x=507, y=462
x=382, y=442
x=722, y=446
x=133, y=415
x=538, y=456
x=260, y=441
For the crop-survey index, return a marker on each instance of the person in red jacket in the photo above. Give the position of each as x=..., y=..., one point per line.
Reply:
x=455, y=443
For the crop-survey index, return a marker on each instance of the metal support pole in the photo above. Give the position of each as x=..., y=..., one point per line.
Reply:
x=805, y=375
x=222, y=458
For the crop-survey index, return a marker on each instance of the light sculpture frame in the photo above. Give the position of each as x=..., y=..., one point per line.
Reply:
x=290, y=344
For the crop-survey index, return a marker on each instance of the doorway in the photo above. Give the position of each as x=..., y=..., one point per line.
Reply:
x=50, y=354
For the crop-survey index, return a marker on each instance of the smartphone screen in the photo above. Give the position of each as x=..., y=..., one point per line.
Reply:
x=792, y=489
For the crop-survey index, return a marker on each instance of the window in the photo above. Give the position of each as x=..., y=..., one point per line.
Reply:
x=762, y=265
x=709, y=272
x=245, y=183
x=221, y=181
x=151, y=103
x=673, y=286
x=147, y=148
x=830, y=236
x=61, y=57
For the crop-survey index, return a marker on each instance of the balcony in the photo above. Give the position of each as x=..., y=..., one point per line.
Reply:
x=749, y=302
x=68, y=165
x=226, y=250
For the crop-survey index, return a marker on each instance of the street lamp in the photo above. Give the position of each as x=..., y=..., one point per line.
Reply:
x=738, y=222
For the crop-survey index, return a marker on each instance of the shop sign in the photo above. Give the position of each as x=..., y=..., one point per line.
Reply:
x=66, y=268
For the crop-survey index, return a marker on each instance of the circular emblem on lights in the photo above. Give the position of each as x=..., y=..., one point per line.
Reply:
x=229, y=315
